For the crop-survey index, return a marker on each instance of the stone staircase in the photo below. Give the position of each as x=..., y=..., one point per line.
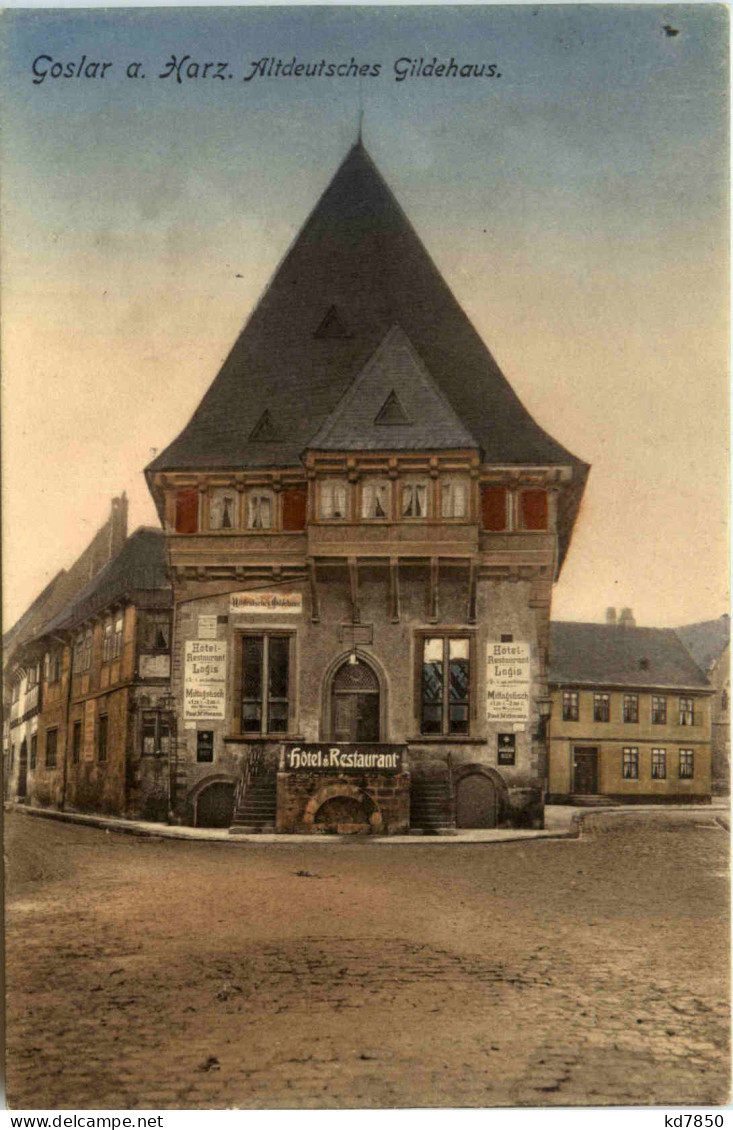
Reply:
x=432, y=810
x=256, y=811
x=590, y=800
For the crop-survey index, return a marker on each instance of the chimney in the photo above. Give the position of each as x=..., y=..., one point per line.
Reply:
x=626, y=619
x=610, y=615
x=117, y=525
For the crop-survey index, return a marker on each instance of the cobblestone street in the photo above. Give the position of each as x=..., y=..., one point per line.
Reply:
x=148, y=973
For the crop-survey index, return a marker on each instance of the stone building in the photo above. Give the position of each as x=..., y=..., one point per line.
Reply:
x=631, y=715
x=363, y=525
x=97, y=675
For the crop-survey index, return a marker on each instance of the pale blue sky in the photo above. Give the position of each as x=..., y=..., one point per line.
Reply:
x=576, y=206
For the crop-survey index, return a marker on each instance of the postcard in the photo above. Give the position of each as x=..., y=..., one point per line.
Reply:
x=365, y=480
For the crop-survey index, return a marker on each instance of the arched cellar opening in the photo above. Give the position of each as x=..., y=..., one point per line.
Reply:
x=215, y=805
x=477, y=802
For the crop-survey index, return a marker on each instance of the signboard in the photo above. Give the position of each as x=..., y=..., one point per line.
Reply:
x=506, y=749
x=258, y=603
x=507, y=682
x=351, y=758
x=207, y=627
x=155, y=666
x=204, y=690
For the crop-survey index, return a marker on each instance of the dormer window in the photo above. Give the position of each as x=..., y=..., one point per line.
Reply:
x=375, y=500
x=415, y=499
x=260, y=509
x=454, y=498
x=223, y=509
x=333, y=499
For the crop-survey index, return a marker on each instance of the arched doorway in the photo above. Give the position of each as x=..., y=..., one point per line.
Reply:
x=355, y=703
x=215, y=805
x=477, y=802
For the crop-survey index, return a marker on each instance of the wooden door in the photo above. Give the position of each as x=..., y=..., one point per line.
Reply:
x=585, y=771
x=476, y=802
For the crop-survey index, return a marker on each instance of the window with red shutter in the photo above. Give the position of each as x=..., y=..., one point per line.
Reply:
x=294, y=509
x=534, y=510
x=187, y=512
x=493, y=508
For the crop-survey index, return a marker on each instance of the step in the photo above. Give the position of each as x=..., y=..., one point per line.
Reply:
x=251, y=829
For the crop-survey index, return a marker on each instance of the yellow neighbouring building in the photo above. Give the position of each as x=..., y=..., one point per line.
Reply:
x=631, y=718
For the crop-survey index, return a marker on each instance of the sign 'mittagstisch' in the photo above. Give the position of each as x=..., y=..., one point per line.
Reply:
x=351, y=758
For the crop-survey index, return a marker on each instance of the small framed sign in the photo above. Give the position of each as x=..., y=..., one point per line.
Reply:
x=506, y=749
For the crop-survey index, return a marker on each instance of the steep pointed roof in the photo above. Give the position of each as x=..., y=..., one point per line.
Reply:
x=394, y=404
x=359, y=255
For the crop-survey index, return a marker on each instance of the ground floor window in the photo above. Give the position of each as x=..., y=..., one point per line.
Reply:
x=265, y=684
x=687, y=763
x=630, y=770
x=34, y=750
x=76, y=744
x=51, y=748
x=102, y=736
x=659, y=764
x=445, y=685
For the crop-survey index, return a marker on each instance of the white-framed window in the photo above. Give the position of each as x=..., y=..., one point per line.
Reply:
x=260, y=510
x=454, y=498
x=117, y=636
x=687, y=711
x=223, y=509
x=630, y=767
x=107, y=641
x=375, y=499
x=86, y=659
x=333, y=496
x=414, y=498
x=687, y=763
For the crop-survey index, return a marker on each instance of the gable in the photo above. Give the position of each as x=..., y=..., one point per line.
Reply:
x=394, y=403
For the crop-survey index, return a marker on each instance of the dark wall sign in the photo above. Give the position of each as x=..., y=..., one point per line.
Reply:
x=205, y=745
x=322, y=757
x=507, y=748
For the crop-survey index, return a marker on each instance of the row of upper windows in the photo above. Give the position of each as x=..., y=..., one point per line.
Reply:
x=688, y=708
x=370, y=500
x=657, y=764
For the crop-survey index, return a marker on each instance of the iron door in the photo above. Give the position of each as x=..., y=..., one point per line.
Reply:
x=585, y=771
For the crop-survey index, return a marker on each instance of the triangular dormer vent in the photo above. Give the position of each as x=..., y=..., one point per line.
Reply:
x=391, y=411
x=332, y=325
x=264, y=430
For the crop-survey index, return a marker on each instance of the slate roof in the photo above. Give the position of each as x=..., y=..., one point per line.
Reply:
x=608, y=655
x=707, y=640
x=359, y=256
x=139, y=566
x=393, y=370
